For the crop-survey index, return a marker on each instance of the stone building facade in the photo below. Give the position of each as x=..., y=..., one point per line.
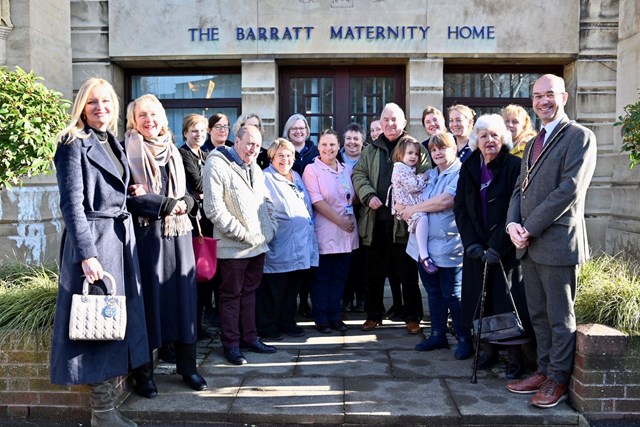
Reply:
x=274, y=57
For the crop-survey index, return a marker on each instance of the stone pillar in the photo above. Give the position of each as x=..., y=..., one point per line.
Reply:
x=426, y=87
x=592, y=77
x=41, y=41
x=4, y=34
x=30, y=222
x=623, y=232
x=5, y=29
x=260, y=95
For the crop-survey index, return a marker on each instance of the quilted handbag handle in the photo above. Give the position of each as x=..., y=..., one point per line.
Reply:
x=111, y=286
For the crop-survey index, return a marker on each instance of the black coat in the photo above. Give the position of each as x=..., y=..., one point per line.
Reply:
x=193, y=170
x=472, y=228
x=97, y=224
x=168, y=272
x=305, y=157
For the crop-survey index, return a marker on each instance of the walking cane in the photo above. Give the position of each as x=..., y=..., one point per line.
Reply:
x=474, y=376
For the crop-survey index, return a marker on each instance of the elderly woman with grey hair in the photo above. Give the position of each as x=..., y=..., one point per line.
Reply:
x=487, y=179
x=297, y=130
x=292, y=251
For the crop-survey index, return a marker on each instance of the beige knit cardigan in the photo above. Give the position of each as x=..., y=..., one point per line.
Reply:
x=241, y=211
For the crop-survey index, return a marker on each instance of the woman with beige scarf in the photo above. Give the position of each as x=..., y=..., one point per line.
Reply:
x=161, y=205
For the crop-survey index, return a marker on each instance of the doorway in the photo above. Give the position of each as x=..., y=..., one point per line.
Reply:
x=333, y=97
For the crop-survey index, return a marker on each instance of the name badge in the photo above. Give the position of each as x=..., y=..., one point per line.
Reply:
x=348, y=210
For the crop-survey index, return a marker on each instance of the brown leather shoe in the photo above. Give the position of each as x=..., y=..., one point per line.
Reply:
x=413, y=328
x=527, y=385
x=550, y=394
x=369, y=325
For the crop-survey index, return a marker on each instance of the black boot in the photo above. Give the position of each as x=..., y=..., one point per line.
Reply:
x=103, y=411
x=186, y=366
x=145, y=386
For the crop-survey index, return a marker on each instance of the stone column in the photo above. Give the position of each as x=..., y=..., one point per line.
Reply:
x=4, y=34
x=39, y=40
x=5, y=28
x=623, y=231
x=592, y=77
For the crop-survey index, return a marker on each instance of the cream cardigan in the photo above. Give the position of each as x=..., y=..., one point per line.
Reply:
x=241, y=211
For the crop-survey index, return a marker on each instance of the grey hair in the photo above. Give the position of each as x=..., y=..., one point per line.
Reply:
x=490, y=121
x=243, y=119
x=291, y=121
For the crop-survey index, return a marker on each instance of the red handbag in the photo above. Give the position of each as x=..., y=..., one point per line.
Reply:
x=205, y=250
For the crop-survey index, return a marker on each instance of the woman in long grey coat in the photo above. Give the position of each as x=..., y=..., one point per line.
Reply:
x=160, y=206
x=93, y=175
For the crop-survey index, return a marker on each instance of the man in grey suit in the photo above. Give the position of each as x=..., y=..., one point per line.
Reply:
x=546, y=224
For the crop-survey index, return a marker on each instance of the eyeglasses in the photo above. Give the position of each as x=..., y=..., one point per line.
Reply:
x=547, y=95
x=298, y=129
x=222, y=127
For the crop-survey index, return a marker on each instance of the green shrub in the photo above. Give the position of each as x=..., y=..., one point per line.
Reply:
x=30, y=117
x=630, y=123
x=27, y=299
x=609, y=294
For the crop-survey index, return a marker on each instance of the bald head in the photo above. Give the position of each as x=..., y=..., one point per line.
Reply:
x=549, y=98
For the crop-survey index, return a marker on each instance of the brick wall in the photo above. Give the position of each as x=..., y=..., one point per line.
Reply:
x=605, y=384
x=25, y=390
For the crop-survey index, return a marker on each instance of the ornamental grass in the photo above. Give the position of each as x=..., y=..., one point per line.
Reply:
x=609, y=293
x=27, y=299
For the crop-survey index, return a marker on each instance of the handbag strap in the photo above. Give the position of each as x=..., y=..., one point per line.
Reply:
x=199, y=229
x=506, y=284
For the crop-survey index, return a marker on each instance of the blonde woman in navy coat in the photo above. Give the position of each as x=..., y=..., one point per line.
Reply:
x=93, y=174
x=161, y=208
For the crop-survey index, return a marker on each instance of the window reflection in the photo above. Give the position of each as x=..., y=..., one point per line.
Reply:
x=489, y=85
x=180, y=95
x=488, y=93
x=209, y=86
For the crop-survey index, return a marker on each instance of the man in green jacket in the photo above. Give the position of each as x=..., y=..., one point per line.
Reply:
x=383, y=236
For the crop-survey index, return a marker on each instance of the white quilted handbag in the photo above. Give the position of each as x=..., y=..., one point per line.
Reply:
x=98, y=317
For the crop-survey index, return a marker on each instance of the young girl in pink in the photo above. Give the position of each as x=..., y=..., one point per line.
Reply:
x=406, y=189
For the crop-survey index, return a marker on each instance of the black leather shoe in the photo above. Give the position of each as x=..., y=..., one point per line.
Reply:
x=514, y=370
x=486, y=361
x=147, y=389
x=338, y=325
x=259, y=347
x=234, y=356
x=395, y=314
x=195, y=381
x=203, y=334
x=305, y=311
x=323, y=328
x=294, y=331
x=274, y=336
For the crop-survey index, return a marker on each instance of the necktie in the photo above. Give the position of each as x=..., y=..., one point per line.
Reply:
x=537, y=146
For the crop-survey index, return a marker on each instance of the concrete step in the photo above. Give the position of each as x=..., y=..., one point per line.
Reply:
x=343, y=379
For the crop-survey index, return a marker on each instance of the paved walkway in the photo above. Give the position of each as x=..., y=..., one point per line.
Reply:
x=354, y=378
